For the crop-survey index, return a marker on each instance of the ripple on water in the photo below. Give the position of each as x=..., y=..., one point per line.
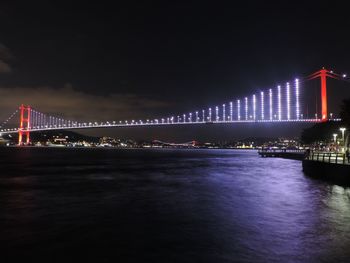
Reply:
x=168, y=206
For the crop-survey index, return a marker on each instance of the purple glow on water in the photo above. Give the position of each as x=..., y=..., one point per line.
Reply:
x=168, y=205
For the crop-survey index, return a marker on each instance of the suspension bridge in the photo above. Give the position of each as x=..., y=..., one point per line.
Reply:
x=282, y=103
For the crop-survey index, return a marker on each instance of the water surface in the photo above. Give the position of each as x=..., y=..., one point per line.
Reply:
x=108, y=205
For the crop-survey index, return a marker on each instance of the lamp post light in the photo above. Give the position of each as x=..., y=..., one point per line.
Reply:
x=342, y=133
x=335, y=137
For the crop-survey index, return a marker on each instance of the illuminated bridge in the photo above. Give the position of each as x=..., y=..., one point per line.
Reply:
x=283, y=103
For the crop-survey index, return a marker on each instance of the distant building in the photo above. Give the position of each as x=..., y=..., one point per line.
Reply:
x=3, y=142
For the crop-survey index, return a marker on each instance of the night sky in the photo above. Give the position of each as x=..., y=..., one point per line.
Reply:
x=145, y=60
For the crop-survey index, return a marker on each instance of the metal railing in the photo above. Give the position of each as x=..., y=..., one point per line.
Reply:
x=328, y=157
x=281, y=151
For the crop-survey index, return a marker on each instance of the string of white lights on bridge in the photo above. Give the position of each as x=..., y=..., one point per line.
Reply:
x=280, y=104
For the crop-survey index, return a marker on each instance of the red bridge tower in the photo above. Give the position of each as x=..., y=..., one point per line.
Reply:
x=24, y=128
x=323, y=74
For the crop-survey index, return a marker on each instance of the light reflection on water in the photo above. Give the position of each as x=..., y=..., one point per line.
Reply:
x=168, y=206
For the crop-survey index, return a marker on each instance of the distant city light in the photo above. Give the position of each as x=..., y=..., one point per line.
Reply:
x=335, y=137
x=343, y=133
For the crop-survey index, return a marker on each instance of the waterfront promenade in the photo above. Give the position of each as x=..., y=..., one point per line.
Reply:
x=319, y=156
x=329, y=166
x=328, y=157
x=295, y=154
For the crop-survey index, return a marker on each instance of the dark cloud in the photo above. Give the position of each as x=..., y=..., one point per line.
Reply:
x=5, y=54
x=76, y=105
x=4, y=67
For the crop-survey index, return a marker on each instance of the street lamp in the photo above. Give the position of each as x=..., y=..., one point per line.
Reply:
x=335, y=137
x=342, y=133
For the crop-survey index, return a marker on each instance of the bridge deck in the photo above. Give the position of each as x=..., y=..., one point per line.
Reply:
x=145, y=124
